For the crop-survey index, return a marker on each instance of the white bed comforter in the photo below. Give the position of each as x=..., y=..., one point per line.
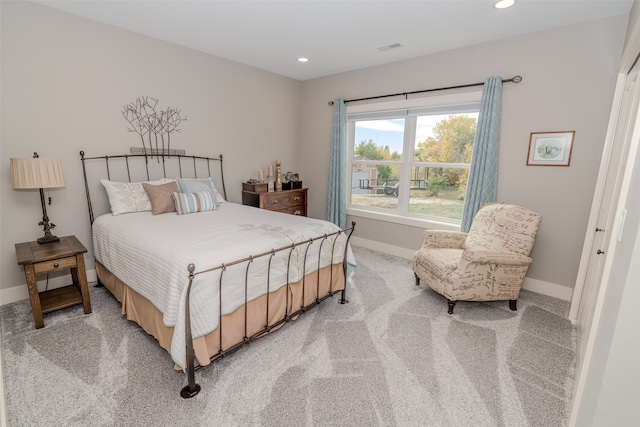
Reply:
x=151, y=254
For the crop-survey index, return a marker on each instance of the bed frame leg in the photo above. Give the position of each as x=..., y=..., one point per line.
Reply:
x=192, y=388
x=187, y=392
x=342, y=299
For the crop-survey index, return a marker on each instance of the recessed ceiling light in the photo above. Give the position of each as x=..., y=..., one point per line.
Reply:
x=303, y=59
x=504, y=4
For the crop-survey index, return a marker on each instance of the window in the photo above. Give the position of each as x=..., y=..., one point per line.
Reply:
x=411, y=159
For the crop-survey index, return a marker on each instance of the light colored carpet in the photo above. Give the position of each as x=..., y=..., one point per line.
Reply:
x=391, y=357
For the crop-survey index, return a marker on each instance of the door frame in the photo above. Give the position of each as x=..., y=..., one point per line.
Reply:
x=584, y=369
x=605, y=161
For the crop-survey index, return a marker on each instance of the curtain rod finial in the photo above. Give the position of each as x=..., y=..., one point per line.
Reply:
x=330, y=102
x=516, y=79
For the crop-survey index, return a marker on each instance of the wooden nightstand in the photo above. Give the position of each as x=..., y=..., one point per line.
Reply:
x=287, y=201
x=37, y=259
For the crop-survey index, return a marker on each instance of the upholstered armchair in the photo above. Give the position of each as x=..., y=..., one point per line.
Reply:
x=489, y=263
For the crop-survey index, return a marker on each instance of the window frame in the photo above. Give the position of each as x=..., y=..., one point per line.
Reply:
x=434, y=104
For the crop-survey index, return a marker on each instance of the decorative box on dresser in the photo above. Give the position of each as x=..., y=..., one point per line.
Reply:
x=287, y=201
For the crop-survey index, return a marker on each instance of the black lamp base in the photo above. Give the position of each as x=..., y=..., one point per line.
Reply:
x=46, y=225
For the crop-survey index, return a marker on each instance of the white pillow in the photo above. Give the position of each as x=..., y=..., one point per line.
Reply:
x=127, y=197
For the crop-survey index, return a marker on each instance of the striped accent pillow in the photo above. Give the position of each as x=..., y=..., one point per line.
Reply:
x=199, y=201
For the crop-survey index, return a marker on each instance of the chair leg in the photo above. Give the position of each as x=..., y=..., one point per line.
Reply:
x=512, y=304
x=417, y=279
x=451, y=305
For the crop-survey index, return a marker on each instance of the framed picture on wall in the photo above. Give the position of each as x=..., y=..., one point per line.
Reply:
x=550, y=148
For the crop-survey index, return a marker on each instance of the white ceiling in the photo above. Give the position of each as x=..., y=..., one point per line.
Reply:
x=336, y=36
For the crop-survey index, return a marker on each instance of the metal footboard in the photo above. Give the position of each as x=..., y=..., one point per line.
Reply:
x=127, y=167
x=192, y=388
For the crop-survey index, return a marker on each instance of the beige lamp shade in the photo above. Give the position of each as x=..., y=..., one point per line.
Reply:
x=34, y=173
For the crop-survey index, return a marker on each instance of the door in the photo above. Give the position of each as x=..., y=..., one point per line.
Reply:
x=602, y=224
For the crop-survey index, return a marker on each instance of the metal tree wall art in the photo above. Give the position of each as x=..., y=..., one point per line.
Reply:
x=154, y=125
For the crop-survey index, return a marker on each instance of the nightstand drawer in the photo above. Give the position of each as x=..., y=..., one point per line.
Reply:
x=56, y=264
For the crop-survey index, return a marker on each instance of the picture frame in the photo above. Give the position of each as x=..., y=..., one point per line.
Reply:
x=550, y=148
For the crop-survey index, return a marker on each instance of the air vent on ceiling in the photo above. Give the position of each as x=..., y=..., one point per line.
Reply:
x=389, y=47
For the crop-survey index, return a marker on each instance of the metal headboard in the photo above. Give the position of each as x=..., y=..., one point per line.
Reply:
x=160, y=160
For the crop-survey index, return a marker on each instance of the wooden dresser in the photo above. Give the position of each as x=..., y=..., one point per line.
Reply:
x=287, y=201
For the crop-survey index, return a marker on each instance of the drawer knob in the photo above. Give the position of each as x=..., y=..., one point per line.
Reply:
x=56, y=265
x=275, y=202
x=297, y=198
x=297, y=213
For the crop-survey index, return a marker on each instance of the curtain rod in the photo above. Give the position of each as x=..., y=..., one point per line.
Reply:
x=514, y=79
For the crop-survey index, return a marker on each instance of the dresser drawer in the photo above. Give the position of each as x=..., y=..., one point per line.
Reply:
x=287, y=201
x=295, y=210
x=56, y=264
x=279, y=200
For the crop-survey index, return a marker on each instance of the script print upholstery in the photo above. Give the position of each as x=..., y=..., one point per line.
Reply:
x=488, y=263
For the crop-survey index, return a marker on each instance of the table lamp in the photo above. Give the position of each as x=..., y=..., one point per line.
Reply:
x=37, y=173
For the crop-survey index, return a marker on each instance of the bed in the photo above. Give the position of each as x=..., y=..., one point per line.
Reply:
x=211, y=275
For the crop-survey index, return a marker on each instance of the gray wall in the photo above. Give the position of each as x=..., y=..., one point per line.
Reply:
x=568, y=80
x=65, y=80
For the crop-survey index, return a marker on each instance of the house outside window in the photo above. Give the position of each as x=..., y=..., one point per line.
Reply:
x=408, y=161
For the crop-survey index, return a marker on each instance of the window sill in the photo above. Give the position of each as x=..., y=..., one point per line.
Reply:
x=404, y=220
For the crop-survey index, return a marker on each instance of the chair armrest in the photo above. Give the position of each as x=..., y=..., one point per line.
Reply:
x=485, y=256
x=443, y=239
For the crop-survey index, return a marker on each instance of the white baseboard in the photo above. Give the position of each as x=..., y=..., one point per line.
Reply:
x=547, y=288
x=18, y=293
x=383, y=247
x=533, y=285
